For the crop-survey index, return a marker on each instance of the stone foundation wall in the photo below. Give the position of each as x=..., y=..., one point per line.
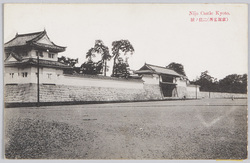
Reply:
x=63, y=93
x=25, y=93
x=20, y=93
x=152, y=91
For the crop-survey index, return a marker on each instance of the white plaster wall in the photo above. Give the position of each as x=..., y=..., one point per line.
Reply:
x=150, y=79
x=57, y=77
x=43, y=75
x=92, y=82
x=31, y=76
x=17, y=77
x=193, y=89
x=32, y=54
x=180, y=82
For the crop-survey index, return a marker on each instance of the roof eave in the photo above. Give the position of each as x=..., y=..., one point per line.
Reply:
x=33, y=64
x=170, y=75
x=55, y=48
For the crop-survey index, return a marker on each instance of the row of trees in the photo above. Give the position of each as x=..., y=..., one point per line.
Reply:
x=233, y=83
x=120, y=68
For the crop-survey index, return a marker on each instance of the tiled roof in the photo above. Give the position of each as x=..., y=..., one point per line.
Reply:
x=143, y=72
x=147, y=68
x=22, y=39
x=31, y=39
x=43, y=63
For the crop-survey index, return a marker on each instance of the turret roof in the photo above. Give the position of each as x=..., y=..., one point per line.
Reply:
x=31, y=40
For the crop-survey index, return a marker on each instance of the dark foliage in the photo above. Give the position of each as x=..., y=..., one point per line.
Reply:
x=91, y=67
x=104, y=51
x=232, y=83
x=122, y=45
x=179, y=68
x=120, y=70
x=95, y=68
x=69, y=61
x=118, y=47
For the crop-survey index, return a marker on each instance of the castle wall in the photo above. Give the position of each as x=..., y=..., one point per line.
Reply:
x=86, y=88
x=77, y=89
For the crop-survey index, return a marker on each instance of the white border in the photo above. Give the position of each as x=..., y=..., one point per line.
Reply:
x=99, y=1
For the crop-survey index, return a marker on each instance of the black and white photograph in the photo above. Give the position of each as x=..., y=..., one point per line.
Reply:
x=125, y=81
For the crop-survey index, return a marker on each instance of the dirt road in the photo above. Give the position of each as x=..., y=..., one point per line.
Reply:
x=192, y=129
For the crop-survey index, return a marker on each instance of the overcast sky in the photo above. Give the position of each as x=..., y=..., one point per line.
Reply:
x=160, y=34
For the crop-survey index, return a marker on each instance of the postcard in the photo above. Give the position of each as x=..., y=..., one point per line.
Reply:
x=125, y=81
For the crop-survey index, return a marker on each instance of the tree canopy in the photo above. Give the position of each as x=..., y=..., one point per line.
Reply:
x=121, y=47
x=206, y=82
x=232, y=83
x=104, y=51
x=179, y=68
x=94, y=68
x=69, y=61
x=90, y=53
x=121, y=69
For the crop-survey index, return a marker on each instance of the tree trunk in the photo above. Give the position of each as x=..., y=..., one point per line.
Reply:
x=105, y=67
x=113, y=66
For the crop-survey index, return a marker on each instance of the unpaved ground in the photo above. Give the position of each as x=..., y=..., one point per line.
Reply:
x=193, y=129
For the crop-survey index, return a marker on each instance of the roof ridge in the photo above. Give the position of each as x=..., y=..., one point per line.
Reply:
x=159, y=66
x=28, y=34
x=39, y=36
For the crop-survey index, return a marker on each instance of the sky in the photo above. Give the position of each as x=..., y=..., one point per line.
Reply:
x=159, y=33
